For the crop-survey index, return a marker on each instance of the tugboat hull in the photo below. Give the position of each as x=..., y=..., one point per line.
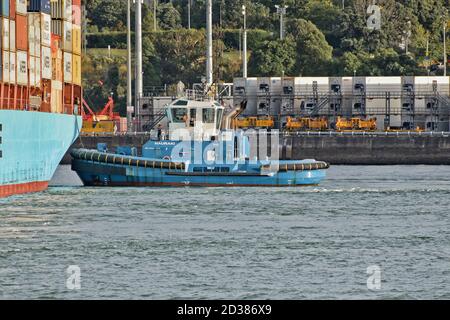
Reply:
x=148, y=174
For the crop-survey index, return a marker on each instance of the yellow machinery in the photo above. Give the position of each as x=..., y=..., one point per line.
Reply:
x=243, y=123
x=98, y=127
x=356, y=124
x=293, y=124
x=319, y=124
x=367, y=125
x=266, y=122
x=254, y=122
x=343, y=124
x=393, y=129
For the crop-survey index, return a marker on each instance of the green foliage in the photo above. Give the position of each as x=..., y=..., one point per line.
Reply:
x=274, y=58
x=323, y=39
x=168, y=17
x=180, y=55
x=313, y=53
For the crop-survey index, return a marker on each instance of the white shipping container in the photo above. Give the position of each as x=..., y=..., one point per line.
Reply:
x=32, y=62
x=239, y=86
x=38, y=72
x=269, y=85
x=68, y=10
x=12, y=35
x=12, y=67
x=424, y=85
x=5, y=34
x=34, y=32
x=68, y=37
x=46, y=21
x=31, y=39
x=383, y=84
x=37, y=37
x=56, y=99
x=57, y=85
x=68, y=70
x=21, y=6
x=5, y=66
x=46, y=63
x=22, y=68
x=306, y=85
x=290, y=104
x=245, y=89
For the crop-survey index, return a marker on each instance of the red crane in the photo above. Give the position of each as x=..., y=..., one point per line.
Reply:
x=106, y=114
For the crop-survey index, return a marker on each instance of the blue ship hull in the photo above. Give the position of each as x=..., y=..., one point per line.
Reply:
x=32, y=145
x=103, y=169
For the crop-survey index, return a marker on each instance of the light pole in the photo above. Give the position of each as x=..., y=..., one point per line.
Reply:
x=189, y=14
x=155, y=20
x=427, y=58
x=281, y=10
x=445, y=48
x=408, y=34
x=209, y=40
x=129, y=93
x=244, y=68
x=139, y=81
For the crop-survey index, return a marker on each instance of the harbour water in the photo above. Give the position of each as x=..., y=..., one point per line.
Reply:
x=255, y=243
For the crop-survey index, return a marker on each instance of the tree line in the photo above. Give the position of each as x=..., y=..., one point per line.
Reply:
x=323, y=38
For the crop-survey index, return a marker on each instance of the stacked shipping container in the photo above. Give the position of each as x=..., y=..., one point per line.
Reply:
x=66, y=23
x=396, y=102
x=31, y=76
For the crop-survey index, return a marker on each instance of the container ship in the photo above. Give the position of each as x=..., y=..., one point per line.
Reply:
x=40, y=90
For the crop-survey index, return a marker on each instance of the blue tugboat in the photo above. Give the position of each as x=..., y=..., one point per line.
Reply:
x=197, y=153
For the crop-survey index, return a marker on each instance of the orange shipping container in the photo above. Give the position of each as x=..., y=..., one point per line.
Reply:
x=67, y=93
x=21, y=33
x=12, y=8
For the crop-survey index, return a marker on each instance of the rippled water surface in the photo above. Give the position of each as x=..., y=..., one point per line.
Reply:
x=255, y=243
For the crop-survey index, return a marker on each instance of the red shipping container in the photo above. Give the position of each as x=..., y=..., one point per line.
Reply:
x=68, y=91
x=56, y=43
x=21, y=33
x=76, y=12
x=12, y=9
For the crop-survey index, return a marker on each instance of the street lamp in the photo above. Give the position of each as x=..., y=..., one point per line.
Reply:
x=189, y=14
x=129, y=71
x=281, y=10
x=155, y=20
x=445, y=42
x=244, y=69
x=408, y=34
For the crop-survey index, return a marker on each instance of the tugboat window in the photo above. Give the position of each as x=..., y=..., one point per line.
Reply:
x=181, y=103
x=193, y=117
x=179, y=115
x=208, y=115
x=219, y=118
